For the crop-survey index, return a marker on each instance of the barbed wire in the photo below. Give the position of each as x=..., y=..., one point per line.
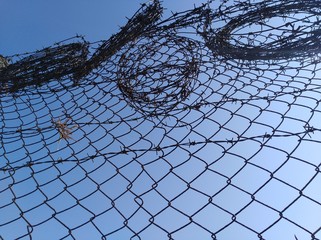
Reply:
x=201, y=125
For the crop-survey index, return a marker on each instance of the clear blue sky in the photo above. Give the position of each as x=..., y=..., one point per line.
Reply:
x=32, y=24
x=28, y=25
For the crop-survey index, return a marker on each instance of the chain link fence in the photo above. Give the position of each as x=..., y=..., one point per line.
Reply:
x=201, y=125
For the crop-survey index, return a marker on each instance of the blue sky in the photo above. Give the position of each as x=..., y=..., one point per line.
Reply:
x=29, y=25
x=33, y=24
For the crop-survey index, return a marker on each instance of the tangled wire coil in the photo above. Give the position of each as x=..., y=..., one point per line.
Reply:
x=157, y=73
x=292, y=42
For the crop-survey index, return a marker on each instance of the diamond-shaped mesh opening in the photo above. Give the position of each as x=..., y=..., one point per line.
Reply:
x=200, y=125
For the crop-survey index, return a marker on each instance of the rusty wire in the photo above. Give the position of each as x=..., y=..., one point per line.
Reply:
x=204, y=124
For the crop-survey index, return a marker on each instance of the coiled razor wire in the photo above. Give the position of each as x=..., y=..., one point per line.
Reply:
x=201, y=125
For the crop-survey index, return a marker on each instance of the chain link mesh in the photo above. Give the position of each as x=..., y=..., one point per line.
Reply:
x=202, y=125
